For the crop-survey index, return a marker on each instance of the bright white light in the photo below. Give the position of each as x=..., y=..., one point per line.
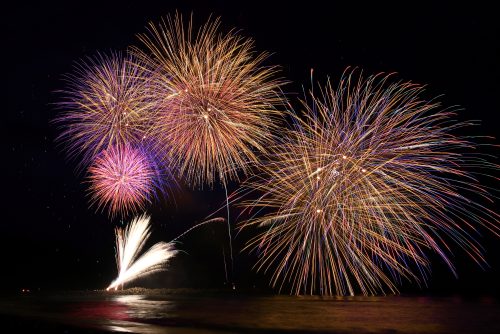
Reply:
x=129, y=243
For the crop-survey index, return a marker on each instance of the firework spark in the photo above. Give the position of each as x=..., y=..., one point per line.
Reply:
x=122, y=178
x=107, y=103
x=129, y=243
x=369, y=179
x=217, y=101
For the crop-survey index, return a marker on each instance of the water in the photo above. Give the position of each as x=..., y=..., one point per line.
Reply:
x=223, y=313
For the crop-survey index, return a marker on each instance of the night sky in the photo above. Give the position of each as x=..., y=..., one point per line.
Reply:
x=50, y=239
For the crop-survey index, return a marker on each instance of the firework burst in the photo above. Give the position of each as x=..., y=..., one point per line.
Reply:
x=217, y=101
x=107, y=103
x=368, y=181
x=124, y=179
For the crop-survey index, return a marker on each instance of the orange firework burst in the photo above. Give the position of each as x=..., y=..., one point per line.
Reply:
x=217, y=101
x=107, y=103
x=369, y=179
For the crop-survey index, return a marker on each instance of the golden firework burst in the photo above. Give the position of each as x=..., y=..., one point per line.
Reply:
x=217, y=100
x=370, y=179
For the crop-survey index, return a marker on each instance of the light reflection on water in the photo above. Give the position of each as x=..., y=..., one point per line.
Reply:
x=136, y=307
x=139, y=307
x=234, y=314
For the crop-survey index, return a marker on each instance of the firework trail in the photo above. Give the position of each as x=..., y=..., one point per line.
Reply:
x=107, y=103
x=370, y=179
x=213, y=220
x=129, y=243
x=124, y=179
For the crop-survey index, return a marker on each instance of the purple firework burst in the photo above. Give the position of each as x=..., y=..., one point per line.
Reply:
x=107, y=102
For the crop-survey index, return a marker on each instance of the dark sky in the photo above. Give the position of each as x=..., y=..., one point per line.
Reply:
x=51, y=240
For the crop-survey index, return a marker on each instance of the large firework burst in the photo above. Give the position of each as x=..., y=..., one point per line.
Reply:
x=217, y=101
x=369, y=180
x=107, y=103
x=124, y=179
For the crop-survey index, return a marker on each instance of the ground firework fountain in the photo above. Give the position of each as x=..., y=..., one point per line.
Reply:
x=129, y=243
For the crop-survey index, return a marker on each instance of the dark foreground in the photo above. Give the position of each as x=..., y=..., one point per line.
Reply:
x=148, y=312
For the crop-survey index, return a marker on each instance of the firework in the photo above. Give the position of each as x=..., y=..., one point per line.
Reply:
x=107, y=103
x=124, y=179
x=217, y=101
x=129, y=243
x=369, y=180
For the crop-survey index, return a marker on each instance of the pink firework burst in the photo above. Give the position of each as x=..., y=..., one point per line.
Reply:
x=122, y=179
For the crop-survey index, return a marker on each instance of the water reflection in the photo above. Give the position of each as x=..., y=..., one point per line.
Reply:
x=138, y=307
x=123, y=313
x=128, y=327
x=205, y=313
